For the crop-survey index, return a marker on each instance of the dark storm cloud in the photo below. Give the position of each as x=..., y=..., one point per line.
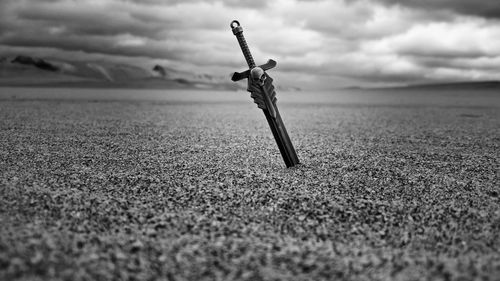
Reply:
x=112, y=27
x=186, y=52
x=97, y=44
x=231, y=3
x=482, y=8
x=458, y=63
x=106, y=18
x=85, y=20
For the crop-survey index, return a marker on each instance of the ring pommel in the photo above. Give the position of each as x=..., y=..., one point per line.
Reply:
x=236, y=27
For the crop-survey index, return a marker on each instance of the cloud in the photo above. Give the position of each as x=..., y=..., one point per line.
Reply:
x=321, y=43
x=464, y=38
x=258, y=4
x=483, y=8
x=111, y=27
x=464, y=49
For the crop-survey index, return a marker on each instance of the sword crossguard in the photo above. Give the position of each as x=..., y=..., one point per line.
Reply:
x=245, y=74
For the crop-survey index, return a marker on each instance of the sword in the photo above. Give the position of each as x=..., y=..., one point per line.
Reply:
x=262, y=91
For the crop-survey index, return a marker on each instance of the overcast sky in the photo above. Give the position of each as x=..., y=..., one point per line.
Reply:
x=318, y=44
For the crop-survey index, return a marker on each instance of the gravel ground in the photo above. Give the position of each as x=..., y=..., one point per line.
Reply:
x=185, y=190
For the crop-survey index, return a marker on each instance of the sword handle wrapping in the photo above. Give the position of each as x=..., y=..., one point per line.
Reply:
x=238, y=32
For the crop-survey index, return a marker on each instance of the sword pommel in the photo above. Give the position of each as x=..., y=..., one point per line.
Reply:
x=236, y=27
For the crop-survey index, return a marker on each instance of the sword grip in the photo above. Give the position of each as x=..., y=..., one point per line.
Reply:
x=238, y=32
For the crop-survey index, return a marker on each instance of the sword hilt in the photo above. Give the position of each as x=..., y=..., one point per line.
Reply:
x=238, y=32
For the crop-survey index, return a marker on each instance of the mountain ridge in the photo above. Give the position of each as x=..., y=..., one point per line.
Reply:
x=459, y=85
x=28, y=71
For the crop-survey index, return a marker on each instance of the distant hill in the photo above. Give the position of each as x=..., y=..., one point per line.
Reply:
x=448, y=86
x=48, y=72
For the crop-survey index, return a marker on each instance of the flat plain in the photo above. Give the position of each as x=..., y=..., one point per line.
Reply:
x=182, y=185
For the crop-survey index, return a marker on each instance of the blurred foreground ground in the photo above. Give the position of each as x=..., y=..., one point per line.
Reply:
x=156, y=185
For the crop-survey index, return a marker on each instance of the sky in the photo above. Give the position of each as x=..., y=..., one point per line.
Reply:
x=318, y=44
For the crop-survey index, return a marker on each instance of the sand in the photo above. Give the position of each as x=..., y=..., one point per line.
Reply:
x=186, y=185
